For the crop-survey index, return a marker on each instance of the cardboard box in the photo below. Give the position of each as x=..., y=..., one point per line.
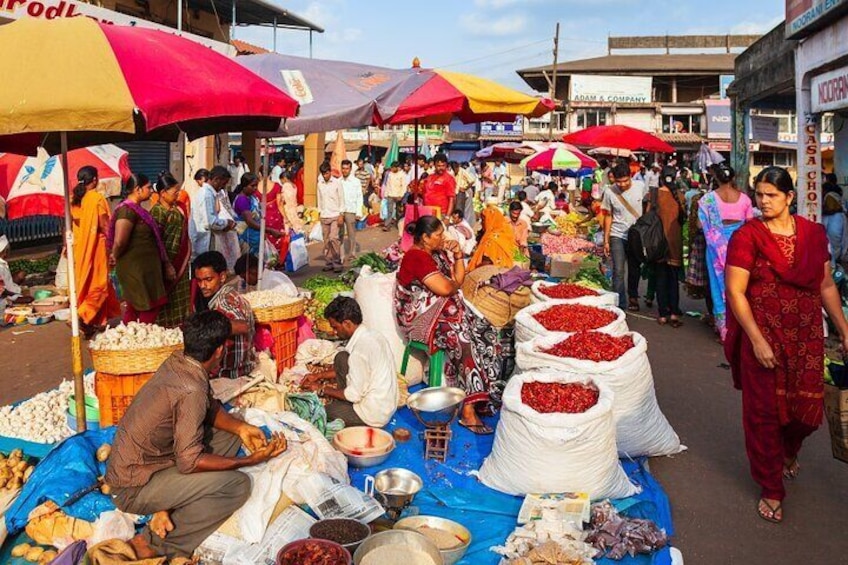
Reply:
x=839, y=447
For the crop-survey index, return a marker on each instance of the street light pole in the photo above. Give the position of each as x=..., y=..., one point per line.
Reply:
x=553, y=84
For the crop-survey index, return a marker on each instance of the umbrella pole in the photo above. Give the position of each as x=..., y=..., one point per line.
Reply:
x=415, y=140
x=76, y=345
x=263, y=209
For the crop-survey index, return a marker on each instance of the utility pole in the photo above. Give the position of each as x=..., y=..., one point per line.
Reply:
x=553, y=85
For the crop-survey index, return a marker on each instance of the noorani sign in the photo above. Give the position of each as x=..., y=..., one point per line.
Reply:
x=52, y=9
x=610, y=89
x=803, y=17
x=830, y=91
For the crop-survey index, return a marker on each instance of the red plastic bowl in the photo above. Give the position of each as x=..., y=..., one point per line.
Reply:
x=291, y=547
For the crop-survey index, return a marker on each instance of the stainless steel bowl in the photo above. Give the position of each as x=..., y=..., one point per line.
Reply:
x=436, y=406
x=367, y=460
x=404, y=538
x=397, y=486
x=450, y=556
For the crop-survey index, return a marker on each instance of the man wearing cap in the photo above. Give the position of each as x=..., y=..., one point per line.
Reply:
x=10, y=285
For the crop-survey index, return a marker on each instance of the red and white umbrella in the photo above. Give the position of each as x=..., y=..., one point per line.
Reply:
x=35, y=186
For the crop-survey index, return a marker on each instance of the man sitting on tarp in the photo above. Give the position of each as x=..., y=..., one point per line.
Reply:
x=366, y=391
x=216, y=290
x=174, y=454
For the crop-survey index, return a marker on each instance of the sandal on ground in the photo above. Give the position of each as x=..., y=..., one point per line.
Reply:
x=791, y=469
x=675, y=322
x=479, y=429
x=662, y=321
x=633, y=305
x=769, y=512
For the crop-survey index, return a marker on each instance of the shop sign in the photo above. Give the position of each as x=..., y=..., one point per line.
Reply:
x=830, y=91
x=52, y=9
x=808, y=183
x=724, y=146
x=765, y=128
x=803, y=17
x=718, y=119
x=609, y=89
x=507, y=129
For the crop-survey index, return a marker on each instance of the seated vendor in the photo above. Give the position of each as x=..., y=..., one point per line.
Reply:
x=366, y=391
x=247, y=267
x=174, y=453
x=430, y=309
x=10, y=284
x=497, y=242
x=217, y=290
x=520, y=227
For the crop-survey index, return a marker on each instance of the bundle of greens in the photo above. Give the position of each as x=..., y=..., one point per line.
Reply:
x=34, y=266
x=592, y=277
x=376, y=261
x=324, y=289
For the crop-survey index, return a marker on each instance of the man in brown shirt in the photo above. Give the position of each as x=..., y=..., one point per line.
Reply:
x=174, y=454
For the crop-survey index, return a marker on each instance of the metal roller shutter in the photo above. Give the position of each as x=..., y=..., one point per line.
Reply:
x=148, y=157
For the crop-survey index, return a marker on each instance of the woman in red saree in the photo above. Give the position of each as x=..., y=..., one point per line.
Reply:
x=778, y=279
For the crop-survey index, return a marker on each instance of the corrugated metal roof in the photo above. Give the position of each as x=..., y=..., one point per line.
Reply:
x=681, y=138
x=254, y=12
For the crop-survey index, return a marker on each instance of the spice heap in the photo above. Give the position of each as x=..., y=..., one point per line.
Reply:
x=574, y=318
x=340, y=530
x=568, y=398
x=567, y=290
x=136, y=336
x=592, y=346
x=314, y=553
x=269, y=298
x=616, y=536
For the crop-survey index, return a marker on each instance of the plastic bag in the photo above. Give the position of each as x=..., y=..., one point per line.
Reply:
x=298, y=256
x=641, y=427
x=113, y=525
x=316, y=233
x=61, y=281
x=557, y=452
x=528, y=328
x=329, y=498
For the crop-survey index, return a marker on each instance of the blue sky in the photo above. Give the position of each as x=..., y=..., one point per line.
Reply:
x=493, y=38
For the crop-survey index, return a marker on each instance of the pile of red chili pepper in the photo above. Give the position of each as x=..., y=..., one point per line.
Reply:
x=567, y=290
x=592, y=346
x=313, y=553
x=569, y=398
x=574, y=318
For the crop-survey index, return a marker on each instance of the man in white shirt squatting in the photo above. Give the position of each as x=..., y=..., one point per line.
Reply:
x=366, y=388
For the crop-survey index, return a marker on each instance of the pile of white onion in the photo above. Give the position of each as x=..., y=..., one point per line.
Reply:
x=269, y=298
x=136, y=336
x=42, y=418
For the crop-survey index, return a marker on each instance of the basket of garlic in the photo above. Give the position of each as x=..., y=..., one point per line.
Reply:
x=275, y=306
x=134, y=348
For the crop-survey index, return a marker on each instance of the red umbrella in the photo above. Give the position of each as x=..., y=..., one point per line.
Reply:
x=618, y=137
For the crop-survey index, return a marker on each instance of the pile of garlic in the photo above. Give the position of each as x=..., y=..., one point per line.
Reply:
x=136, y=336
x=42, y=418
x=269, y=298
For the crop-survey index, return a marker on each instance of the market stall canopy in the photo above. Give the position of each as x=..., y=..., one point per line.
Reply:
x=559, y=157
x=509, y=151
x=35, y=186
x=342, y=95
x=618, y=137
x=106, y=83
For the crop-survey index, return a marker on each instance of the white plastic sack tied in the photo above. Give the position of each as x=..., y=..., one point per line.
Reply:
x=641, y=427
x=375, y=294
x=557, y=452
x=604, y=298
x=528, y=328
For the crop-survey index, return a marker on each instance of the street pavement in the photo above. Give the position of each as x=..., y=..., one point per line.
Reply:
x=712, y=495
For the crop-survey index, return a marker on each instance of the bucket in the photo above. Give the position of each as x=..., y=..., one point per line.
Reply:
x=92, y=413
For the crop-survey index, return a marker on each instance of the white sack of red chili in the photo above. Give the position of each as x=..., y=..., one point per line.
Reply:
x=576, y=438
x=621, y=363
x=545, y=291
x=561, y=316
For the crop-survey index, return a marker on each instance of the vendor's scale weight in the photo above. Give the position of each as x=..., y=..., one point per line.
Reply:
x=436, y=408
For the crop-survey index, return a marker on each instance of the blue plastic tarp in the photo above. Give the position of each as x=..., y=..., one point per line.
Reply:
x=452, y=491
x=68, y=469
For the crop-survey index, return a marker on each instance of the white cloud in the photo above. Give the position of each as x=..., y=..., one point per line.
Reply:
x=755, y=28
x=485, y=26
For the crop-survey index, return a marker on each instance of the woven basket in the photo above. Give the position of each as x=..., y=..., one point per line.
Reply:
x=135, y=362
x=289, y=311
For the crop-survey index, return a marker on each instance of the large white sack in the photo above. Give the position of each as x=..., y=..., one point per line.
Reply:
x=528, y=328
x=375, y=294
x=605, y=297
x=641, y=427
x=535, y=452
